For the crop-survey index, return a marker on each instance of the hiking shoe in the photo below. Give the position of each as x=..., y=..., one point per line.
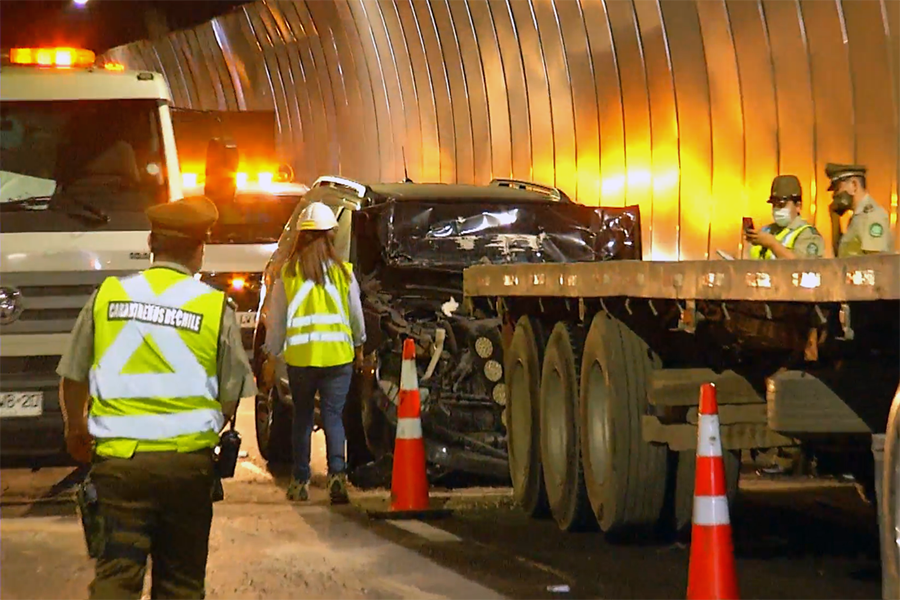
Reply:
x=298, y=491
x=337, y=488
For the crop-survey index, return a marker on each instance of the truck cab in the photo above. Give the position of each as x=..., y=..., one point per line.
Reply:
x=244, y=238
x=85, y=149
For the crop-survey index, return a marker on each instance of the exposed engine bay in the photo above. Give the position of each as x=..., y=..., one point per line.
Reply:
x=409, y=258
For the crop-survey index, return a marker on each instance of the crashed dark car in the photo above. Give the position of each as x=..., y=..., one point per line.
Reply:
x=409, y=244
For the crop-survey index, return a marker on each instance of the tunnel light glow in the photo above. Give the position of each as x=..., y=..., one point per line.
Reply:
x=189, y=180
x=241, y=180
x=237, y=284
x=265, y=178
x=79, y=3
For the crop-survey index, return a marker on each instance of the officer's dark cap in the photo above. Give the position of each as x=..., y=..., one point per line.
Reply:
x=786, y=187
x=837, y=173
x=190, y=218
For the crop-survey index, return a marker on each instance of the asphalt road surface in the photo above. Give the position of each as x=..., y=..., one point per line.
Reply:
x=794, y=538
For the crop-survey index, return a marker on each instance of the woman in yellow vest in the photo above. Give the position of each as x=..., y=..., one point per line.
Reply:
x=320, y=333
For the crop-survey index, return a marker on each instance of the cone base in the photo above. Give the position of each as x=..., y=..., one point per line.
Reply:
x=712, y=574
x=419, y=515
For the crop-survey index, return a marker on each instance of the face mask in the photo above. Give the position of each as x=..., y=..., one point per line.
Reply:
x=782, y=216
x=842, y=202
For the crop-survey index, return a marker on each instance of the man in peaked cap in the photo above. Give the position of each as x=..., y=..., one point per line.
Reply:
x=869, y=230
x=163, y=354
x=789, y=236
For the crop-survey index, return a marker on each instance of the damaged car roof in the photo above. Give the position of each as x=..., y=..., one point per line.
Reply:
x=430, y=192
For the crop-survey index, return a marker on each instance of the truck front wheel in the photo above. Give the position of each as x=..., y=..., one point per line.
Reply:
x=523, y=380
x=624, y=475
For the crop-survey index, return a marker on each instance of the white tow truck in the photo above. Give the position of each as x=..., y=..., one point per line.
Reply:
x=85, y=147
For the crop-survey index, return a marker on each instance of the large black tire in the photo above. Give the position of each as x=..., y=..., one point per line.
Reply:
x=273, y=427
x=523, y=379
x=560, y=431
x=625, y=476
x=686, y=472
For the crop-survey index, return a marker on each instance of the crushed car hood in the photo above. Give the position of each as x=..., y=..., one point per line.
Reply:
x=452, y=235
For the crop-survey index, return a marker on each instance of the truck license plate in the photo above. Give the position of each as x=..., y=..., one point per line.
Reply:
x=21, y=404
x=248, y=320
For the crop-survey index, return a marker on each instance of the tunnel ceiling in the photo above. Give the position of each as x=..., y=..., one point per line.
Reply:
x=685, y=108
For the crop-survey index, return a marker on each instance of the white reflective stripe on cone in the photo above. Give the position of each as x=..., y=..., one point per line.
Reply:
x=409, y=381
x=316, y=320
x=409, y=429
x=156, y=427
x=711, y=510
x=305, y=338
x=708, y=441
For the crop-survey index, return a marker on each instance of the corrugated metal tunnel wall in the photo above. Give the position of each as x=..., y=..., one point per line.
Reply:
x=687, y=108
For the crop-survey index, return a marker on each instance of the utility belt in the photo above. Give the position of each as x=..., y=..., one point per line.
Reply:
x=87, y=498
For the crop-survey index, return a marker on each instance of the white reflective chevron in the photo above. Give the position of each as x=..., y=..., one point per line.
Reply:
x=156, y=427
x=188, y=380
x=296, y=322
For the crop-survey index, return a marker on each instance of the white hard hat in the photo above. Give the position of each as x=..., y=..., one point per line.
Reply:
x=316, y=217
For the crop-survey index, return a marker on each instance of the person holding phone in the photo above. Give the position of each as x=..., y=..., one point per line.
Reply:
x=789, y=235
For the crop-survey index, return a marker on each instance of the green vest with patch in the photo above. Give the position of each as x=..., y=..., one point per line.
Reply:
x=787, y=238
x=154, y=385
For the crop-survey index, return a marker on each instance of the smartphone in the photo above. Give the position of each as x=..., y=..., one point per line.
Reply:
x=748, y=223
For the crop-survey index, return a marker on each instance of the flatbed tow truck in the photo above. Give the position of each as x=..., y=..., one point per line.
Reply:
x=604, y=363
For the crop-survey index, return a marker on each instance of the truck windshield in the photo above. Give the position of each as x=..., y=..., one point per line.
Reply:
x=65, y=158
x=253, y=218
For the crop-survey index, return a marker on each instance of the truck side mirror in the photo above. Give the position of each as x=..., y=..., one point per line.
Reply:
x=221, y=170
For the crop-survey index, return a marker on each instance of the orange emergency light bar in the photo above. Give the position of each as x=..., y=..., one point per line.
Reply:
x=242, y=179
x=52, y=57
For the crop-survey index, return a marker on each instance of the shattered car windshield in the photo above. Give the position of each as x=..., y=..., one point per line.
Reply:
x=98, y=156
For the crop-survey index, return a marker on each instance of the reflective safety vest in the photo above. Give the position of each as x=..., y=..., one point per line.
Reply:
x=154, y=385
x=318, y=330
x=787, y=238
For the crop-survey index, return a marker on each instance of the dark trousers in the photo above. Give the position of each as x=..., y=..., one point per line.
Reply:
x=156, y=504
x=333, y=385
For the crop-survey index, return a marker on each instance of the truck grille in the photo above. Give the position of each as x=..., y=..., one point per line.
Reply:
x=36, y=366
x=52, y=301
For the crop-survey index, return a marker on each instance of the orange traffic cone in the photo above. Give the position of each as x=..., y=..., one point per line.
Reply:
x=711, y=574
x=409, y=482
x=409, y=485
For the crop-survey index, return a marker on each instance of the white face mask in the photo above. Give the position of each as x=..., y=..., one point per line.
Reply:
x=782, y=216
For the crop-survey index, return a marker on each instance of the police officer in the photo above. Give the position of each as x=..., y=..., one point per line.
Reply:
x=869, y=230
x=319, y=330
x=158, y=357
x=790, y=236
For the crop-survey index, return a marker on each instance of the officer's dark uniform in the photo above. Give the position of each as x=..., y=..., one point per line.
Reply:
x=155, y=477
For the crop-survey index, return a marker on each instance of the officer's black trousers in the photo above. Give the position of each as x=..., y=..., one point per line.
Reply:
x=156, y=504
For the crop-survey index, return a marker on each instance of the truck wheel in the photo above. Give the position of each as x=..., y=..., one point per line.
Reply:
x=273, y=427
x=625, y=476
x=684, y=485
x=560, y=431
x=523, y=381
